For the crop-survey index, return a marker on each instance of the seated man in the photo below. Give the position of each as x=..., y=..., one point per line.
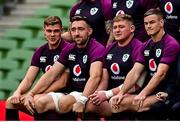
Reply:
x=119, y=58
x=84, y=60
x=43, y=58
x=158, y=58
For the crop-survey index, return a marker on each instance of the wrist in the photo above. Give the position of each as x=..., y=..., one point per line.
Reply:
x=120, y=87
x=109, y=94
x=82, y=99
x=31, y=93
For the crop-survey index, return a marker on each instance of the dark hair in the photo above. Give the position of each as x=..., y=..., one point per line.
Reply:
x=121, y=17
x=52, y=20
x=80, y=18
x=154, y=11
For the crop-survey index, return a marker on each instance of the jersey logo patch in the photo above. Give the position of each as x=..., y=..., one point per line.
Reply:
x=125, y=57
x=120, y=12
x=158, y=52
x=43, y=59
x=84, y=59
x=152, y=65
x=56, y=57
x=78, y=11
x=77, y=70
x=146, y=52
x=109, y=57
x=71, y=57
x=115, y=68
x=93, y=11
x=115, y=5
x=48, y=68
x=168, y=7
x=129, y=3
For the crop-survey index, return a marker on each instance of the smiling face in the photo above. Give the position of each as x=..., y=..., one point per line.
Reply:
x=52, y=34
x=80, y=32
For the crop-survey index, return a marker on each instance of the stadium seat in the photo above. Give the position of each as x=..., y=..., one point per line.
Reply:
x=40, y=35
x=45, y=12
x=1, y=74
x=20, y=34
x=65, y=23
x=8, y=87
x=20, y=56
x=32, y=44
x=6, y=45
x=34, y=24
x=7, y=65
x=62, y=4
x=17, y=75
x=2, y=95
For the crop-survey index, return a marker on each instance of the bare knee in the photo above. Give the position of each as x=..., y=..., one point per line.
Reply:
x=9, y=105
x=43, y=104
x=66, y=103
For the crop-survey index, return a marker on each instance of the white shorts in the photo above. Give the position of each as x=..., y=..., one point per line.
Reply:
x=76, y=95
x=56, y=97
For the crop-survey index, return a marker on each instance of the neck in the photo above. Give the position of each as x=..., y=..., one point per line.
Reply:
x=83, y=45
x=126, y=41
x=157, y=37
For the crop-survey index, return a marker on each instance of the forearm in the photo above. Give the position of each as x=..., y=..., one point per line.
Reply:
x=131, y=79
x=43, y=83
x=59, y=83
x=24, y=86
x=91, y=86
x=153, y=83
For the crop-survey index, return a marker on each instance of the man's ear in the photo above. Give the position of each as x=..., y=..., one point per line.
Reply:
x=162, y=22
x=132, y=28
x=90, y=31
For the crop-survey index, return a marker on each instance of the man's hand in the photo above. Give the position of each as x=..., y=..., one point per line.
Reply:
x=29, y=103
x=78, y=107
x=15, y=98
x=98, y=97
x=162, y=96
x=116, y=100
x=138, y=100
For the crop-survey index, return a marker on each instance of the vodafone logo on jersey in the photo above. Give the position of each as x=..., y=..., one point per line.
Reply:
x=168, y=7
x=77, y=70
x=115, y=68
x=48, y=68
x=152, y=65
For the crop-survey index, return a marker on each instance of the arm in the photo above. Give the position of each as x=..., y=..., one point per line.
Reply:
x=28, y=80
x=108, y=26
x=156, y=79
x=46, y=79
x=67, y=36
x=59, y=83
x=129, y=82
x=94, y=79
x=25, y=84
x=90, y=87
x=42, y=84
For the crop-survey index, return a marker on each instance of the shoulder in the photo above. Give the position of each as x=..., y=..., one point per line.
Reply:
x=94, y=45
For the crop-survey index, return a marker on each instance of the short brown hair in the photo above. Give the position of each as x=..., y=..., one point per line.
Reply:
x=52, y=20
x=154, y=11
x=79, y=18
x=123, y=17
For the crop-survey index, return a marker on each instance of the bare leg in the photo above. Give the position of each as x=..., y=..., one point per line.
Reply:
x=126, y=104
x=104, y=108
x=66, y=103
